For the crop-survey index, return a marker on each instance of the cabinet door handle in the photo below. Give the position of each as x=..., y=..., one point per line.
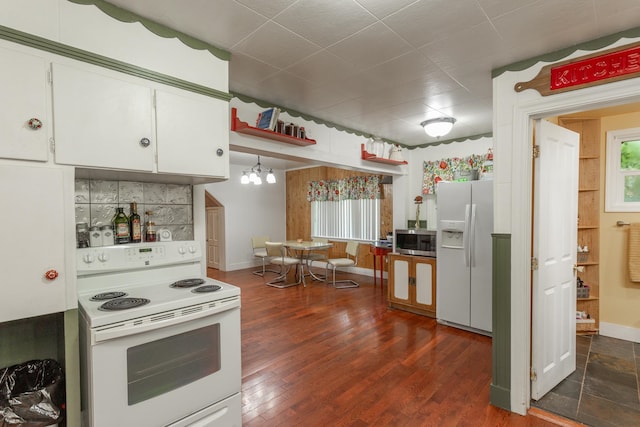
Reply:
x=34, y=123
x=145, y=142
x=51, y=274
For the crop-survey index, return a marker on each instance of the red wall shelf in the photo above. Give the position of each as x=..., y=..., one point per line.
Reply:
x=373, y=158
x=239, y=126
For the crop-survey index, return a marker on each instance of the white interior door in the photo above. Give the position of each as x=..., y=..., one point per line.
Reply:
x=554, y=246
x=214, y=232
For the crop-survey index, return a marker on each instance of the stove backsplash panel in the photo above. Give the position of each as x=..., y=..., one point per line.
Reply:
x=171, y=204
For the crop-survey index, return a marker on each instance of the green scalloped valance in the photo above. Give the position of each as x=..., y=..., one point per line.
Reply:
x=158, y=29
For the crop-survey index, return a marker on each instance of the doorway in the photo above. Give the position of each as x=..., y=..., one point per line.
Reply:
x=215, y=232
x=603, y=390
x=513, y=115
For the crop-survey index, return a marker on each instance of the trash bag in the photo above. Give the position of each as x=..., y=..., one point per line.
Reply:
x=32, y=394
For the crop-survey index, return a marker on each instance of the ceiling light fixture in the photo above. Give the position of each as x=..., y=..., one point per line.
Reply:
x=438, y=127
x=254, y=175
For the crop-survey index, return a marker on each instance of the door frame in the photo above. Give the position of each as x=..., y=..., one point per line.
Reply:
x=514, y=115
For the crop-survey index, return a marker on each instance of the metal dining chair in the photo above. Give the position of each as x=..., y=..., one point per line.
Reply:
x=350, y=260
x=260, y=251
x=277, y=254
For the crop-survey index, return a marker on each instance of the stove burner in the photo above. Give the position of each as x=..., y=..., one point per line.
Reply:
x=206, y=288
x=187, y=283
x=123, y=303
x=107, y=295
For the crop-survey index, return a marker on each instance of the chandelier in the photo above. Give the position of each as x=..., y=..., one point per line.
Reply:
x=254, y=175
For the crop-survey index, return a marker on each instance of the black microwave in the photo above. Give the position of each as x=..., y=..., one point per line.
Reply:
x=415, y=242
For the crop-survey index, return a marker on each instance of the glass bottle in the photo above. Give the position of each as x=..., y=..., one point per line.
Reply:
x=121, y=227
x=151, y=232
x=135, y=229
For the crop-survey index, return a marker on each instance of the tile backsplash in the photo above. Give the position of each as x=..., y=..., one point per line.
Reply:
x=171, y=205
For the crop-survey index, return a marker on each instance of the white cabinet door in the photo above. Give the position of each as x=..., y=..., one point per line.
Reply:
x=424, y=283
x=400, y=273
x=23, y=88
x=102, y=121
x=192, y=134
x=33, y=242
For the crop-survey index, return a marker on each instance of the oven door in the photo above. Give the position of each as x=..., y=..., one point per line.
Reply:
x=160, y=375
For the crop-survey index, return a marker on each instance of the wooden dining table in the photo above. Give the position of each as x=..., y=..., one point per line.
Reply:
x=302, y=249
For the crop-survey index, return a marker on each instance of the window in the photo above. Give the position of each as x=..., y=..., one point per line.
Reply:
x=345, y=209
x=346, y=219
x=623, y=171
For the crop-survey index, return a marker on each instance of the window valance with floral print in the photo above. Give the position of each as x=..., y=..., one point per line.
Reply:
x=354, y=188
x=445, y=169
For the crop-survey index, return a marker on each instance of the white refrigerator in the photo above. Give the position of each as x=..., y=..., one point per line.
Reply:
x=464, y=261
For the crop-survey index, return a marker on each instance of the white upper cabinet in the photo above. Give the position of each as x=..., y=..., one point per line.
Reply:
x=102, y=121
x=192, y=134
x=23, y=89
x=107, y=120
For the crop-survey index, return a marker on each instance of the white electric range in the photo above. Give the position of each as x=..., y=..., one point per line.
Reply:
x=160, y=344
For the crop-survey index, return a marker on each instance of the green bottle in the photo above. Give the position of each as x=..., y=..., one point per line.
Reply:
x=121, y=227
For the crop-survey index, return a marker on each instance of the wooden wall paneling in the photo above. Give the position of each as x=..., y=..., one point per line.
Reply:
x=299, y=213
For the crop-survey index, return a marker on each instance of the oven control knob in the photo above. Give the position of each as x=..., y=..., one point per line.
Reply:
x=192, y=249
x=103, y=257
x=181, y=250
x=87, y=258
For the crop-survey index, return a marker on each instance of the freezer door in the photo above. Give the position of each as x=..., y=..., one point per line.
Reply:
x=452, y=277
x=480, y=250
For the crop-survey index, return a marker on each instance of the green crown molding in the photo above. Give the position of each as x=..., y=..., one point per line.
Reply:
x=449, y=141
x=43, y=44
x=158, y=29
x=557, y=55
x=295, y=113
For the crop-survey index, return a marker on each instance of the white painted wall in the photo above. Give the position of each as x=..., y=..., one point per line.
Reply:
x=249, y=210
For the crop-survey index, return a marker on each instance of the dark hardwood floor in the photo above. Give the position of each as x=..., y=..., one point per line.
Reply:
x=319, y=356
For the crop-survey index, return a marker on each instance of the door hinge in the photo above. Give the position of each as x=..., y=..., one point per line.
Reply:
x=534, y=264
x=52, y=145
x=533, y=376
x=536, y=151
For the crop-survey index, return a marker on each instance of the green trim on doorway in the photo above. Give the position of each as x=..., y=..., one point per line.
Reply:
x=56, y=48
x=500, y=392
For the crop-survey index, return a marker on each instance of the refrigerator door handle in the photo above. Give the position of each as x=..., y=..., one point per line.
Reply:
x=465, y=237
x=472, y=236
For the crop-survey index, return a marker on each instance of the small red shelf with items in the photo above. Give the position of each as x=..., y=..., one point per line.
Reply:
x=373, y=158
x=239, y=126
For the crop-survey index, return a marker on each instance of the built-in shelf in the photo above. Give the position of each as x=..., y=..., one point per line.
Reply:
x=239, y=126
x=373, y=158
x=589, y=299
x=588, y=189
x=588, y=263
x=588, y=227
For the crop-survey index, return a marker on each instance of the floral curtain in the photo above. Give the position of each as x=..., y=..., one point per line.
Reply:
x=354, y=188
x=444, y=170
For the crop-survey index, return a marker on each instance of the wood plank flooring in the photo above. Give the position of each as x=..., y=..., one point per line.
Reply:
x=319, y=356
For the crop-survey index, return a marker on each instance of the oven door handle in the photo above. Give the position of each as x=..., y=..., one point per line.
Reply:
x=162, y=320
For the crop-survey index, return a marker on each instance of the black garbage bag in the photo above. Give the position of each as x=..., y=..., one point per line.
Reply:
x=32, y=394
